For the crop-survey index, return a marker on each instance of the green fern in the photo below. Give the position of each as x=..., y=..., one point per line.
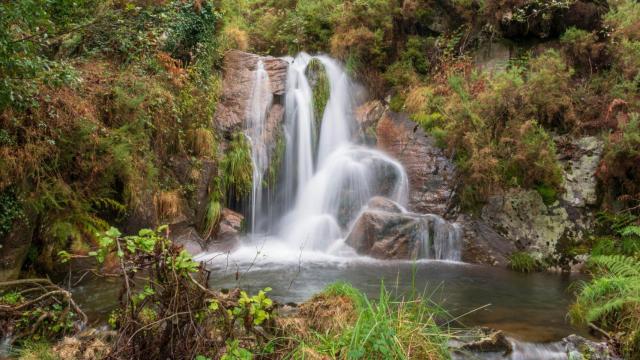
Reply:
x=617, y=265
x=631, y=230
x=612, y=299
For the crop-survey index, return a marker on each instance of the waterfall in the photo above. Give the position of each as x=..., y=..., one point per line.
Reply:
x=256, y=119
x=327, y=178
x=440, y=239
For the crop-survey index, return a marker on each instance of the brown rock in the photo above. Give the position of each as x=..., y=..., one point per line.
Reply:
x=228, y=235
x=484, y=245
x=385, y=235
x=493, y=341
x=384, y=231
x=431, y=174
x=367, y=116
x=237, y=87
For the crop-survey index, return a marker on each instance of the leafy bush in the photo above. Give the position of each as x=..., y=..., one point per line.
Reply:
x=11, y=208
x=192, y=29
x=548, y=90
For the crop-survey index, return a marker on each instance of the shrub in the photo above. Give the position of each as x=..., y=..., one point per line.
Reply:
x=192, y=28
x=530, y=160
x=401, y=74
x=548, y=91
x=584, y=50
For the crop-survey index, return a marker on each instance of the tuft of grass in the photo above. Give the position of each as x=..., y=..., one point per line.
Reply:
x=168, y=203
x=36, y=351
x=523, y=262
x=237, y=168
x=383, y=329
x=203, y=143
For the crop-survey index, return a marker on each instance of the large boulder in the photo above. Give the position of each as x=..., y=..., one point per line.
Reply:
x=431, y=174
x=519, y=220
x=385, y=231
x=539, y=229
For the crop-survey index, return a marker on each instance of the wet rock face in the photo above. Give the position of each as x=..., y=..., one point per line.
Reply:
x=484, y=245
x=431, y=174
x=237, y=86
x=522, y=217
x=485, y=343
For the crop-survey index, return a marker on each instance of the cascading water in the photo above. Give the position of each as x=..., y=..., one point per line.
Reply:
x=327, y=178
x=261, y=100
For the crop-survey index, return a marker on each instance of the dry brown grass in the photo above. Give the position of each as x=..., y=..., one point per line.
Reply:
x=418, y=99
x=169, y=205
x=236, y=38
x=202, y=142
x=329, y=313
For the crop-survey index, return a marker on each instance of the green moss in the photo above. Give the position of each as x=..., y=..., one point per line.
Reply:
x=548, y=194
x=276, y=161
x=320, y=88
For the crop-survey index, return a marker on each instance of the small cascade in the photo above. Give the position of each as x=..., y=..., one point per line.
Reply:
x=261, y=100
x=440, y=239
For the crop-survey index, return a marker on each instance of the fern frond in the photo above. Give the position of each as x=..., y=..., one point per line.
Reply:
x=617, y=265
x=631, y=230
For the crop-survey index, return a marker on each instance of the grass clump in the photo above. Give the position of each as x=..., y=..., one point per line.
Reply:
x=345, y=324
x=36, y=351
x=611, y=300
x=522, y=261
